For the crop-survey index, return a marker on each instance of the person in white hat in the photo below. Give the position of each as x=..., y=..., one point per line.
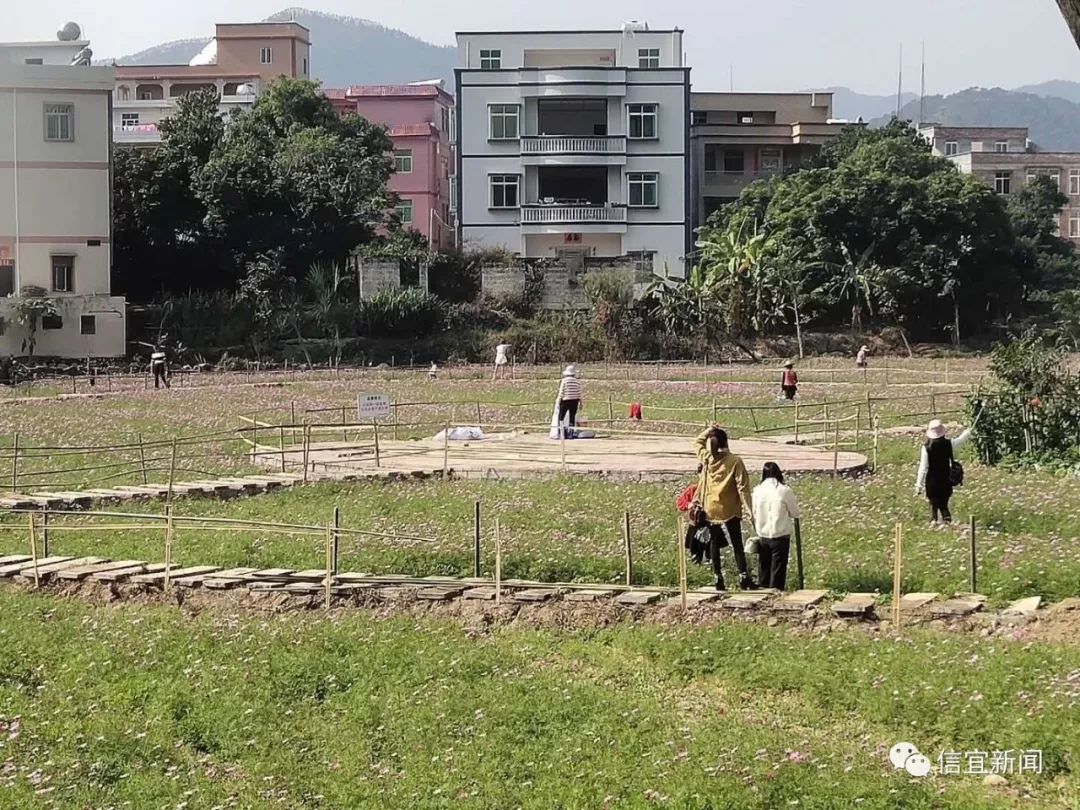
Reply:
x=570, y=395
x=935, y=476
x=860, y=358
x=501, y=360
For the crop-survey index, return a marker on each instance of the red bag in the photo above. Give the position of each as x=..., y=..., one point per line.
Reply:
x=682, y=503
x=635, y=411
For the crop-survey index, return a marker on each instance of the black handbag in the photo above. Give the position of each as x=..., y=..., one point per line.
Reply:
x=956, y=473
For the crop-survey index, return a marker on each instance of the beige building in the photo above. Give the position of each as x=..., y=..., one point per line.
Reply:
x=237, y=63
x=737, y=138
x=1007, y=160
x=55, y=150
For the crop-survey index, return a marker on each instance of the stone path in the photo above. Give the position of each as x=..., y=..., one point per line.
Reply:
x=290, y=582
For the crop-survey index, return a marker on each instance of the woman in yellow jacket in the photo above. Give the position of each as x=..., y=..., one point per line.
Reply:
x=724, y=491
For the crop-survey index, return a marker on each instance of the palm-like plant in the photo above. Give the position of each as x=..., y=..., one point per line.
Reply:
x=855, y=280
x=326, y=305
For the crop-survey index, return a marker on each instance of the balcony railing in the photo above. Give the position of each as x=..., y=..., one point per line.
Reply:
x=573, y=144
x=573, y=214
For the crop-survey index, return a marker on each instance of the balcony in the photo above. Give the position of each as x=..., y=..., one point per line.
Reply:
x=136, y=134
x=573, y=150
x=567, y=217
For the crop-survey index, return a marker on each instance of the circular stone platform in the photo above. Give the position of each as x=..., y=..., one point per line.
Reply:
x=519, y=454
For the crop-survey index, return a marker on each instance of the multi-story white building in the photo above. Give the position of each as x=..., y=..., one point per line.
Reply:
x=574, y=144
x=55, y=201
x=237, y=64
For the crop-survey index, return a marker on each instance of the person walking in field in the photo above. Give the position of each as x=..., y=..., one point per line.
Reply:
x=775, y=512
x=789, y=381
x=860, y=357
x=938, y=471
x=501, y=360
x=569, y=397
x=159, y=367
x=724, y=492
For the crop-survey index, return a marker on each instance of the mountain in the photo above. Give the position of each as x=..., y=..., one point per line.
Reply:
x=344, y=51
x=1058, y=88
x=851, y=105
x=1054, y=122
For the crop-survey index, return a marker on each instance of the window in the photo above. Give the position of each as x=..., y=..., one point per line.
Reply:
x=770, y=160
x=642, y=188
x=1002, y=182
x=404, y=211
x=648, y=58
x=698, y=118
x=35, y=60
x=504, y=122
x=7, y=278
x=403, y=161
x=1074, y=181
x=490, y=59
x=128, y=120
x=641, y=261
x=305, y=66
x=453, y=125
x=1074, y=225
x=734, y=161
x=745, y=117
x=504, y=191
x=1001, y=146
x=266, y=56
x=63, y=273
x=453, y=193
x=52, y=322
x=146, y=95
x=59, y=122
x=87, y=324
x=642, y=121
x=951, y=148
x=1053, y=174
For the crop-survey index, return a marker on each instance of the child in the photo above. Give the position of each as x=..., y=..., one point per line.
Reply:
x=789, y=381
x=696, y=539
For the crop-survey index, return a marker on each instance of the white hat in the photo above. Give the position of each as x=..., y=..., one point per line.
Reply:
x=935, y=430
x=570, y=371
x=864, y=348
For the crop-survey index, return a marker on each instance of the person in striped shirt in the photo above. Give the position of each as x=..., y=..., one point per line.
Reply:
x=570, y=392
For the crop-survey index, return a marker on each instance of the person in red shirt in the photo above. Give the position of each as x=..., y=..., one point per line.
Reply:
x=789, y=381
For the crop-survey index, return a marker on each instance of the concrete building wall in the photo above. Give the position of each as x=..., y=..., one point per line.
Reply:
x=575, y=48
x=55, y=198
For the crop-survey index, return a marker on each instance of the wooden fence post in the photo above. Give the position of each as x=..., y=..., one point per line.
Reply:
x=393, y=411
x=798, y=554
x=898, y=557
x=307, y=449
x=33, y=550
x=375, y=431
x=15, y=464
x=446, y=451
x=714, y=410
x=168, y=546
x=610, y=411
x=498, y=563
x=142, y=460
x=292, y=413
x=796, y=421
x=336, y=547
x=679, y=532
x=562, y=445
x=869, y=412
x=479, y=416
x=344, y=421
x=476, y=539
x=281, y=438
x=628, y=548
x=877, y=425
x=45, y=532
x=836, y=448
x=974, y=563
x=329, y=565
x=254, y=437
x=172, y=473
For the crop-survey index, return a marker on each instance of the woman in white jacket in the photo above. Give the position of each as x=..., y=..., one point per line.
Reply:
x=775, y=511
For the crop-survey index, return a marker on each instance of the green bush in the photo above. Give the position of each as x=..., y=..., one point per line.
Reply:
x=1033, y=416
x=409, y=312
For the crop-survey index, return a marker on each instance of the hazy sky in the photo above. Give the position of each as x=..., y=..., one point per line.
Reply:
x=772, y=44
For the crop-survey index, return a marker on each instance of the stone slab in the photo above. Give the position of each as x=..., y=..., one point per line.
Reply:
x=126, y=573
x=443, y=593
x=700, y=597
x=535, y=595
x=47, y=571
x=745, y=600
x=14, y=558
x=590, y=595
x=914, y=601
x=229, y=578
x=79, y=573
x=799, y=600
x=855, y=604
x=960, y=606
x=1023, y=607
x=485, y=593
x=158, y=577
x=638, y=598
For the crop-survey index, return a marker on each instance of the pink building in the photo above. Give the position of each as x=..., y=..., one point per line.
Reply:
x=418, y=118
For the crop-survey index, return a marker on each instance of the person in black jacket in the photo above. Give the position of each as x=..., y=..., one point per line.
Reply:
x=935, y=469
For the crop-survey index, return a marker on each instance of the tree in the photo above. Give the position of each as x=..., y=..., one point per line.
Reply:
x=326, y=306
x=1047, y=262
x=29, y=309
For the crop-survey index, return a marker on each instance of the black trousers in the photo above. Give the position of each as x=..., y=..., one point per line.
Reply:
x=772, y=561
x=160, y=376
x=568, y=406
x=789, y=391
x=734, y=534
x=939, y=506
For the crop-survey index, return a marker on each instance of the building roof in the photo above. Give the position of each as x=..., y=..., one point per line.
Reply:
x=617, y=31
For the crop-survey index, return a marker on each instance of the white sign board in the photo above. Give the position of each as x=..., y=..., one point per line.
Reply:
x=370, y=407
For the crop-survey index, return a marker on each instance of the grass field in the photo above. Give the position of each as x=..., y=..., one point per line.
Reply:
x=143, y=705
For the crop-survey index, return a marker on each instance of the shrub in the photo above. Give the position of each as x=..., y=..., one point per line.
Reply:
x=409, y=312
x=1033, y=416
